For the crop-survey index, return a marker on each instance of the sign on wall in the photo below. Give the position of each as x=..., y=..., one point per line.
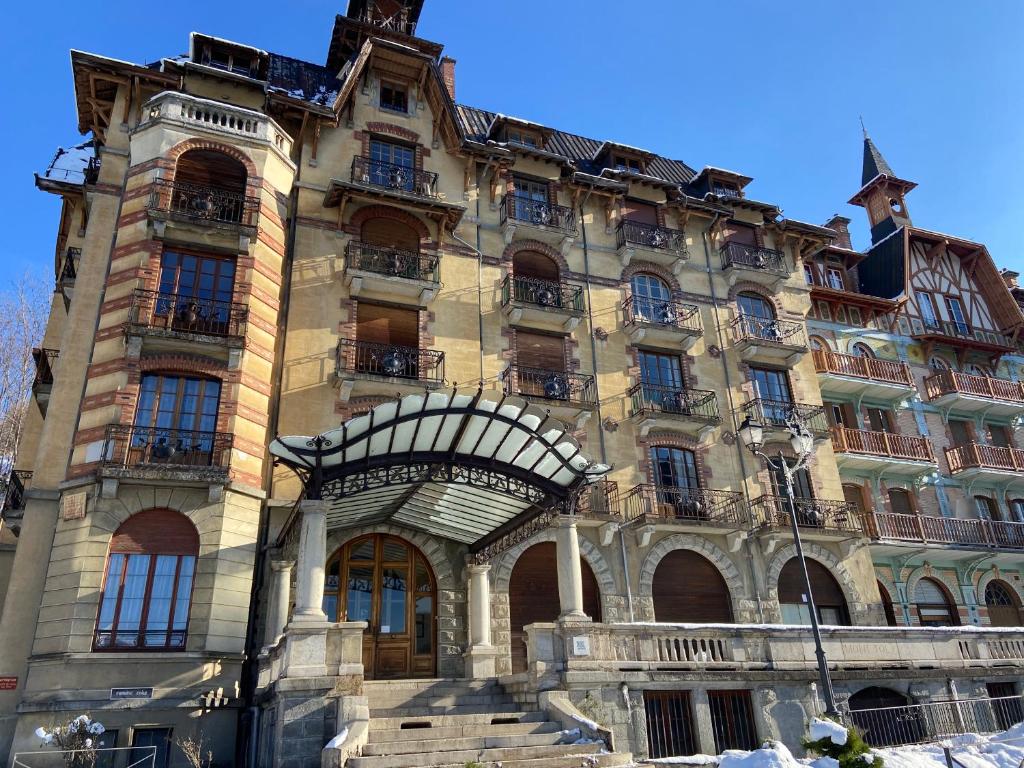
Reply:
x=8, y=683
x=131, y=693
x=72, y=506
x=581, y=646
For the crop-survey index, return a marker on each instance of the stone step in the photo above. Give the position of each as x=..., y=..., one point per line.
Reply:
x=459, y=731
x=458, y=709
x=388, y=721
x=495, y=701
x=604, y=760
x=440, y=685
x=461, y=757
x=489, y=741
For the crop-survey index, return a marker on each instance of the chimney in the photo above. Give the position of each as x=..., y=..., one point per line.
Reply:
x=1010, y=278
x=841, y=225
x=448, y=74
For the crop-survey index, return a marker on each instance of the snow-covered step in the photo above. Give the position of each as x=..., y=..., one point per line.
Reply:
x=467, y=742
x=434, y=721
x=442, y=711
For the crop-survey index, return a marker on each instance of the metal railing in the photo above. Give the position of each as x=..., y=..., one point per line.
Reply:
x=132, y=446
x=770, y=329
x=69, y=269
x=550, y=294
x=696, y=506
x=978, y=456
x=698, y=404
x=391, y=360
x=600, y=498
x=916, y=723
x=392, y=262
x=98, y=757
x=14, y=489
x=395, y=177
x=538, y=213
x=865, y=441
x=650, y=236
x=543, y=383
x=754, y=257
x=204, y=203
x=823, y=514
x=926, y=529
x=779, y=414
x=664, y=312
x=948, y=382
x=873, y=369
x=183, y=313
x=44, y=366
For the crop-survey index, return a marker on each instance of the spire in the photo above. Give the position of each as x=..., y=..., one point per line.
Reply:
x=874, y=163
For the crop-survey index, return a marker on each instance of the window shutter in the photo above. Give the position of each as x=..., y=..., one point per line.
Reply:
x=643, y=213
x=534, y=350
x=156, y=532
x=387, y=325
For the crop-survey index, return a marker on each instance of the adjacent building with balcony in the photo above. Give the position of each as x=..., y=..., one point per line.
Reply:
x=369, y=407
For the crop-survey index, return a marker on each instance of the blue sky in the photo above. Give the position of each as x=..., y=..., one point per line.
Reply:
x=773, y=90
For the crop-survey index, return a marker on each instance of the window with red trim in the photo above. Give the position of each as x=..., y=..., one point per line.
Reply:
x=147, y=588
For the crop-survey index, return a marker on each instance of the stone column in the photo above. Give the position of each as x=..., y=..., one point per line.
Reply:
x=280, y=599
x=309, y=596
x=481, y=656
x=570, y=575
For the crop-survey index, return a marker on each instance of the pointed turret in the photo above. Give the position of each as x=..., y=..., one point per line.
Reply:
x=882, y=193
x=874, y=163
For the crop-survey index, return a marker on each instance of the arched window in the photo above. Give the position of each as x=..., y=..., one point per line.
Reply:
x=535, y=279
x=887, y=606
x=755, y=305
x=390, y=247
x=939, y=364
x=861, y=350
x=175, y=421
x=979, y=370
x=871, y=711
x=147, y=587
x=987, y=508
x=652, y=299
x=819, y=343
x=534, y=265
x=828, y=596
x=688, y=587
x=1003, y=605
x=211, y=185
x=935, y=608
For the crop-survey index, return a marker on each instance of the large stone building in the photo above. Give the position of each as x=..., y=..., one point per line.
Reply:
x=522, y=357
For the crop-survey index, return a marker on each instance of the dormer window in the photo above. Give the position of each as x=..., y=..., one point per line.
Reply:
x=725, y=189
x=835, y=279
x=522, y=138
x=224, y=57
x=394, y=97
x=627, y=164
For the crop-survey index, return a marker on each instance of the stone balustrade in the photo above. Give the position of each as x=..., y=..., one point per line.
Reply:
x=315, y=650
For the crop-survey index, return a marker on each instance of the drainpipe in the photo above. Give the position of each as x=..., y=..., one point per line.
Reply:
x=593, y=343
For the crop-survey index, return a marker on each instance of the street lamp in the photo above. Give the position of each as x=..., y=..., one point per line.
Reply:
x=802, y=440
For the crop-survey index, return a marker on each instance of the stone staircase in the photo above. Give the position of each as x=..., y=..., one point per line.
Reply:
x=449, y=723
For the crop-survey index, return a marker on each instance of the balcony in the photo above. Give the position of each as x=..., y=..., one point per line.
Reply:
x=967, y=393
x=42, y=384
x=777, y=415
x=393, y=183
x=544, y=304
x=971, y=533
x=862, y=449
x=400, y=179
x=391, y=272
x=750, y=262
x=658, y=244
x=68, y=274
x=661, y=323
x=661, y=507
x=155, y=453
x=960, y=335
x=410, y=368
x=818, y=519
x=14, y=499
x=181, y=317
x=674, y=409
x=849, y=375
x=985, y=462
x=568, y=396
x=206, y=215
x=769, y=340
x=547, y=222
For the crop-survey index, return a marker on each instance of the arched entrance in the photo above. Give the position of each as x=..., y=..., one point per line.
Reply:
x=828, y=595
x=688, y=587
x=1003, y=605
x=533, y=595
x=871, y=710
x=386, y=582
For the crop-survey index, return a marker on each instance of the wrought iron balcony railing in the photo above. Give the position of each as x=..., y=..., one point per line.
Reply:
x=779, y=414
x=539, y=213
x=753, y=257
x=394, y=177
x=14, y=489
x=770, y=329
x=978, y=456
x=696, y=506
x=182, y=313
x=549, y=294
x=664, y=312
x=44, y=366
x=69, y=269
x=698, y=404
x=391, y=262
x=936, y=720
x=649, y=236
x=950, y=382
x=204, y=203
x=130, y=446
x=829, y=515
x=557, y=386
x=390, y=360
x=148, y=639
x=971, y=532
x=869, y=368
x=600, y=498
x=865, y=441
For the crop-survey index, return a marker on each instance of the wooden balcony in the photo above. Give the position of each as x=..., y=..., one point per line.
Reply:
x=765, y=266
x=849, y=375
x=658, y=244
x=967, y=393
x=362, y=362
x=674, y=409
x=670, y=508
x=545, y=221
x=769, y=340
x=985, y=462
x=391, y=273
x=863, y=449
x=663, y=323
x=42, y=384
x=543, y=304
x=962, y=532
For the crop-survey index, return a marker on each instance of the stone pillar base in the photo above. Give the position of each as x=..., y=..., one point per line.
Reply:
x=481, y=662
x=305, y=651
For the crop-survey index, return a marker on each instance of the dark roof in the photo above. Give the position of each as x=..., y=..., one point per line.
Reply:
x=874, y=163
x=302, y=80
x=580, y=150
x=881, y=272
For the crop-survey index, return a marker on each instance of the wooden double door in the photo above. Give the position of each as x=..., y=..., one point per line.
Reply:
x=386, y=582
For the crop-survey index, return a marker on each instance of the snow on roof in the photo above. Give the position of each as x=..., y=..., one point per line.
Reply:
x=70, y=164
x=192, y=36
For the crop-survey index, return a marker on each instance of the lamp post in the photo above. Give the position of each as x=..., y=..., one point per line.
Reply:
x=752, y=435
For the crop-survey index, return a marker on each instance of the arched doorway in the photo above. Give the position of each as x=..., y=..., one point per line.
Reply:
x=533, y=595
x=1003, y=605
x=828, y=595
x=935, y=606
x=652, y=299
x=687, y=587
x=386, y=582
x=887, y=606
x=871, y=710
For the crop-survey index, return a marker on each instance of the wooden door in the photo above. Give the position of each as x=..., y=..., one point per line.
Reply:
x=533, y=595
